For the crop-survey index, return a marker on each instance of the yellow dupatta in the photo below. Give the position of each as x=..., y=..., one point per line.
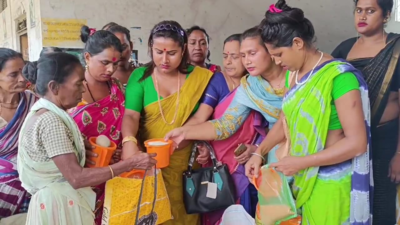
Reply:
x=153, y=126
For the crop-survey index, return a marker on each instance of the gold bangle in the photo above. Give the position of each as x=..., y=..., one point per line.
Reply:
x=129, y=138
x=112, y=172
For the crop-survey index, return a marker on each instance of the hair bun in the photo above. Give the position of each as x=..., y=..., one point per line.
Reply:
x=289, y=15
x=30, y=72
x=281, y=4
x=85, y=33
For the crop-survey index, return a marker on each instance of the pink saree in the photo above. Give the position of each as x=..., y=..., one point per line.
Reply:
x=103, y=117
x=224, y=150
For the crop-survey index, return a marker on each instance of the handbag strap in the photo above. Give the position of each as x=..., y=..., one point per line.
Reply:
x=141, y=195
x=214, y=160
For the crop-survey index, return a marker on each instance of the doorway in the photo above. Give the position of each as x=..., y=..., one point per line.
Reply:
x=22, y=37
x=24, y=46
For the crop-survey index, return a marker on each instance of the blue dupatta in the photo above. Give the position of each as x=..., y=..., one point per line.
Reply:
x=257, y=94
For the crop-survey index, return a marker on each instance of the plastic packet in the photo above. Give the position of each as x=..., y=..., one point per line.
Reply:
x=275, y=199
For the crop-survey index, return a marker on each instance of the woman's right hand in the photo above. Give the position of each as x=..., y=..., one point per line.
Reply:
x=204, y=154
x=253, y=166
x=141, y=161
x=176, y=135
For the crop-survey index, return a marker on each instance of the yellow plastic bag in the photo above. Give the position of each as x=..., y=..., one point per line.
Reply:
x=122, y=196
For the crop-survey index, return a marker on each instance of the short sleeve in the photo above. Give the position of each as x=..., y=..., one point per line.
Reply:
x=343, y=84
x=134, y=93
x=212, y=93
x=57, y=139
x=287, y=77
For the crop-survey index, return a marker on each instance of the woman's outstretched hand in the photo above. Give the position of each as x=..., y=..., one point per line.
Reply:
x=141, y=161
x=176, y=135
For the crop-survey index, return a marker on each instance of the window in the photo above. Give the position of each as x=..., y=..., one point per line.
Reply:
x=397, y=10
x=3, y=5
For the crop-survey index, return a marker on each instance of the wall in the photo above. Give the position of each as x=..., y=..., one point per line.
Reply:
x=16, y=10
x=332, y=19
x=394, y=23
x=6, y=34
x=34, y=28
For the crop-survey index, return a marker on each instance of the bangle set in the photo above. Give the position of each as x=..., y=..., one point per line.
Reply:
x=263, y=160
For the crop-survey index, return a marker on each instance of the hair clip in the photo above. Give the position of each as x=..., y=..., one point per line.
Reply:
x=169, y=27
x=92, y=31
x=273, y=9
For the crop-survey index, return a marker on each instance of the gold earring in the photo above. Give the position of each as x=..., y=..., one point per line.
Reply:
x=86, y=67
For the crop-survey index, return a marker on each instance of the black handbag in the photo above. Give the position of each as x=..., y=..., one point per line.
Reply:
x=196, y=185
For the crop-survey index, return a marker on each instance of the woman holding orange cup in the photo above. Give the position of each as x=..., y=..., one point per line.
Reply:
x=51, y=151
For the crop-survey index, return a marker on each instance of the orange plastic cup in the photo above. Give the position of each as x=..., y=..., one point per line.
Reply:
x=104, y=154
x=136, y=174
x=163, y=149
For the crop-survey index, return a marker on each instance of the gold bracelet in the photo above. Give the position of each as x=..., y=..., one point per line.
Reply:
x=129, y=138
x=112, y=172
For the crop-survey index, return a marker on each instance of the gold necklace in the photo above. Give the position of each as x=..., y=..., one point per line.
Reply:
x=159, y=101
x=279, y=92
x=278, y=86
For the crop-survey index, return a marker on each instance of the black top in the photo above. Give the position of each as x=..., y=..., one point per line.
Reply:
x=343, y=49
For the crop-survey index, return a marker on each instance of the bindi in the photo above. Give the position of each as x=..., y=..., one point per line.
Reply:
x=114, y=59
x=165, y=49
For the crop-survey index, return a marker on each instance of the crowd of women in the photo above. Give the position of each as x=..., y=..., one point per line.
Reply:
x=338, y=112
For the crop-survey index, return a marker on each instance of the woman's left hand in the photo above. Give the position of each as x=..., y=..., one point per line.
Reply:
x=394, y=169
x=245, y=156
x=290, y=165
x=116, y=156
x=89, y=153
